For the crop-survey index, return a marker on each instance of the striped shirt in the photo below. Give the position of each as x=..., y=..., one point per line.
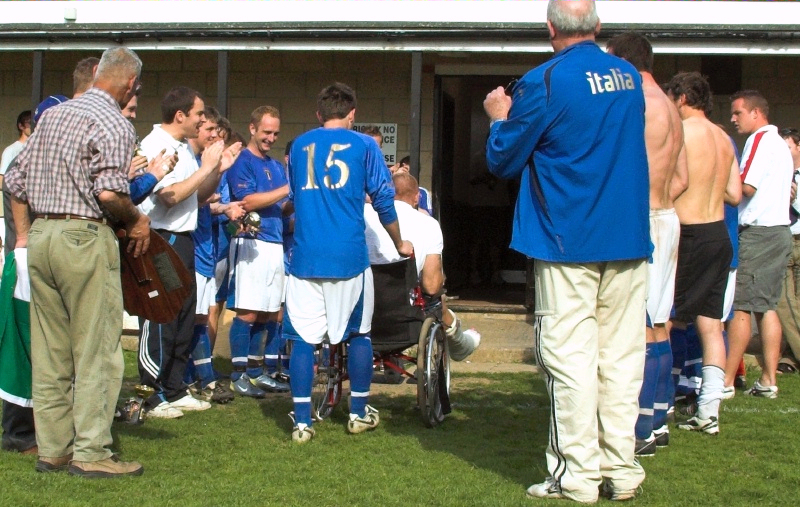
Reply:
x=79, y=149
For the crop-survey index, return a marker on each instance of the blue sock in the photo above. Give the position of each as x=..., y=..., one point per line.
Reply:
x=663, y=385
x=644, y=423
x=693, y=369
x=189, y=374
x=359, y=366
x=301, y=368
x=201, y=356
x=284, y=359
x=272, y=347
x=255, y=352
x=240, y=342
x=677, y=340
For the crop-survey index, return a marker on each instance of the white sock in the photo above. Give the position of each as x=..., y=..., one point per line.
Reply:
x=710, y=392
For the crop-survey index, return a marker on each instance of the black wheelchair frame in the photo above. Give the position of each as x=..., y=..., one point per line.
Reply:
x=416, y=319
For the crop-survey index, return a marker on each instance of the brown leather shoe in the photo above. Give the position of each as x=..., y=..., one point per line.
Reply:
x=109, y=467
x=32, y=450
x=58, y=464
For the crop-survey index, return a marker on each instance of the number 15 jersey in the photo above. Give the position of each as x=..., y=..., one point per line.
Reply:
x=331, y=171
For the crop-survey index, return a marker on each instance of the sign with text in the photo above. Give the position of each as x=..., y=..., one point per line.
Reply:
x=389, y=131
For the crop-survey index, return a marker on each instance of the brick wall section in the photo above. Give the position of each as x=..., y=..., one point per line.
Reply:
x=291, y=81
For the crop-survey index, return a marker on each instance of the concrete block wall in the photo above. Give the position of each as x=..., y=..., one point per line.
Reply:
x=291, y=81
x=287, y=80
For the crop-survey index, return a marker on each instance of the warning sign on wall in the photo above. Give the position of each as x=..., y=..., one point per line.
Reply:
x=389, y=131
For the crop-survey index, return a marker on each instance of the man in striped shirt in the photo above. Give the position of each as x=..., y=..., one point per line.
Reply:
x=765, y=242
x=73, y=175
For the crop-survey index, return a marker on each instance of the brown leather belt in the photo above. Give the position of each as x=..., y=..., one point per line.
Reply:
x=61, y=216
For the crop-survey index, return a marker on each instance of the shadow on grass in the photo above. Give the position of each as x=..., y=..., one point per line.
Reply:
x=499, y=424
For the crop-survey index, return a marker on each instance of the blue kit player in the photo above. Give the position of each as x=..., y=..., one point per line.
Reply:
x=257, y=276
x=329, y=291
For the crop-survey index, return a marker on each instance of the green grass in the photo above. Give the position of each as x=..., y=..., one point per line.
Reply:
x=486, y=453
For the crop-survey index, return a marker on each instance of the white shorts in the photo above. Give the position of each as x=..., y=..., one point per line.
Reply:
x=221, y=279
x=730, y=290
x=665, y=233
x=336, y=308
x=256, y=275
x=206, y=293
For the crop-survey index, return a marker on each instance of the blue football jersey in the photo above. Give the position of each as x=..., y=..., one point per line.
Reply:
x=205, y=255
x=332, y=170
x=220, y=225
x=251, y=174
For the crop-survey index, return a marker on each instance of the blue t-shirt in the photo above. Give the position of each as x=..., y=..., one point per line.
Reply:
x=141, y=186
x=331, y=171
x=732, y=219
x=251, y=174
x=575, y=135
x=220, y=223
x=205, y=255
x=288, y=241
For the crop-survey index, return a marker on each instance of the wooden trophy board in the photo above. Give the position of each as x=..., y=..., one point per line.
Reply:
x=156, y=284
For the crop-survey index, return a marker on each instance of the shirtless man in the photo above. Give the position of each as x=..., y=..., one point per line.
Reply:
x=668, y=179
x=705, y=251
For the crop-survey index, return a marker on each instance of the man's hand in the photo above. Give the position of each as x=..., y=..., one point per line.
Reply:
x=793, y=193
x=229, y=156
x=138, y=163
x=406, y=249
x=213, y=155
x=497, y=104
x=161, y=165
x=234, y=210
x=138, y=233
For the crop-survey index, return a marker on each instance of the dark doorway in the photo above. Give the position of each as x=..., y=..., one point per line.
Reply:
x=476, y=209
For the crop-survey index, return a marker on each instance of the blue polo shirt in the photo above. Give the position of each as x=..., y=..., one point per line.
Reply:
x=251, y=174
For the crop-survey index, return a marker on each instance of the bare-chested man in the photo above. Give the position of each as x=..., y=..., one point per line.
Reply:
x=668, y=179
x=705, y=251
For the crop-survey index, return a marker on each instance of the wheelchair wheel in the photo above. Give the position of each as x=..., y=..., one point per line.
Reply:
x=326, y=390
x=433, y=372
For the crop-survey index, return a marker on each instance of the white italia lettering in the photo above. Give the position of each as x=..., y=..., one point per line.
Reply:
x=615, y=81
x=591, y=82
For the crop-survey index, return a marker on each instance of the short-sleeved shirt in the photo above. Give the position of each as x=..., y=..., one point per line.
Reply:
x=182, y=217
x=575, y=136
x=331, y=171
x=768, y=167
x=79, y=149
x=222, y=237
x=421, y=230
x=11, y=151
x=251, y=174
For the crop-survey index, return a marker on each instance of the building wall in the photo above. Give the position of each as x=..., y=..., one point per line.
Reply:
x=291, y=81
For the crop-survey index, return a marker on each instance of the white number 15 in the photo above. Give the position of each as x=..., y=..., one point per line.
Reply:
x=329, y=163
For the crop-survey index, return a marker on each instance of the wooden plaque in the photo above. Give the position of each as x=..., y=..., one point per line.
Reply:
x=156, y=284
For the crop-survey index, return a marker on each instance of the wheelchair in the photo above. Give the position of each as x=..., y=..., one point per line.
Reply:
x=403, y=317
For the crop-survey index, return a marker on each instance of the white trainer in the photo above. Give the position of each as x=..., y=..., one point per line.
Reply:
x=546, y=489
x=189, y=403
x=728, y=392
x=164, y=410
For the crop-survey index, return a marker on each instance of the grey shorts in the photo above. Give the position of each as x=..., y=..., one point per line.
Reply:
x=763, y=255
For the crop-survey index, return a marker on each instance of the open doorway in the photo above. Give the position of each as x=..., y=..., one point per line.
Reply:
x=476, y=209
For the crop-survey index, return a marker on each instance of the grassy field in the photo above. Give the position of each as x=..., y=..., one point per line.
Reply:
x=486, y=453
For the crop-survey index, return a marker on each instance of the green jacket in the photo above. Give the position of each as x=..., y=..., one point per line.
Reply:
x=15, y=340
